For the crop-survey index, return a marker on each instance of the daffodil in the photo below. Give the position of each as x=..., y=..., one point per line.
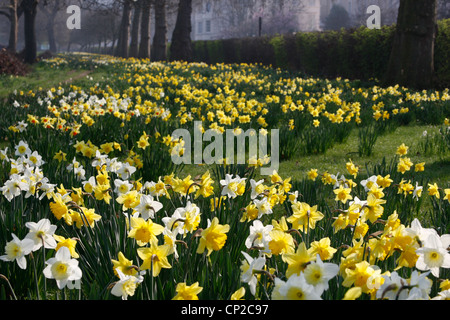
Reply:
x=259, y=235
x=59, y=207
x=62, y=268
x=185, y=292
x=295, y=288
x=402, y=149
x=126, y=286
x=17, y=249
x=155, y=257
x=433, y=190
x=124, y=266
x=249, y=268
x=359, y=276
x=352, y=169
x=148, y=207
x=206, y=186
x=323, y=248
x=373, y=210
x=434, y=254
x=213, y=238
x=41, y=233
x=281, y=242
x=297, y=261
x=144, y=231
x=102, y=192
x=319, y=274
x=69, y=243
x=304, y=216
x=342, y=194
x=239, y=294
x=129, y=200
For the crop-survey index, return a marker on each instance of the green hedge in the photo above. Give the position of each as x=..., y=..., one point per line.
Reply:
x=353, y=54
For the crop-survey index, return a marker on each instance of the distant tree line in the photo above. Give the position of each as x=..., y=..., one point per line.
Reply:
x=123, y=26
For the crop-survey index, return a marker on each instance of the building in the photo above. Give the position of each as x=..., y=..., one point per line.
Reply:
x=218, y=19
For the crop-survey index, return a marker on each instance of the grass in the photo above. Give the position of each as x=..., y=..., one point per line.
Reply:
x=44, y=77
x=333, y=160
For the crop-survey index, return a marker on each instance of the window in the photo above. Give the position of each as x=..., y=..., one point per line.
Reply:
x=200, y=27
x=208, y=26
x=208, y=7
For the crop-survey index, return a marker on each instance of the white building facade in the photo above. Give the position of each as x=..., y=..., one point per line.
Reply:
x=219, y=19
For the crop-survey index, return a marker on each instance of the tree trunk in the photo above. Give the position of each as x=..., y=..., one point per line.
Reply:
x=124, y=32
x=134, y=46
x=14, y=26
x=30, y=11
x=159, y=50
x=51, y=33
x=181, y=47
x=412, y=58
x=144, y=47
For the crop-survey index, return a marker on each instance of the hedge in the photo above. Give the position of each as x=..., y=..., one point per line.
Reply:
x=352, y=54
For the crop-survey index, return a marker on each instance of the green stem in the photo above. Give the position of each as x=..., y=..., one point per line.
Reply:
x=35, y=276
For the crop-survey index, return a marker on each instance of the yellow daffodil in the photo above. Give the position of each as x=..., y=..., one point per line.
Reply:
x=214, y=237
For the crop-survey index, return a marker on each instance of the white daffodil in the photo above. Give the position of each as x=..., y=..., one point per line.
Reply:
x=34, y=159
x=421, y=284
x=433, y=255
x=122, y=186
x=443, y=295
x=4, y=155
x=248, y=268
x=416, y=230
x=126, y=286
x=42, y=234
x=230, y=185
x=188, y=217
x=125, y=171
x=46, y=188
x=99, y=159
x=170, y=238
x=22, y=126
x=257, y=188
x=22, y=149
x=318, y=274
x=417, y=191
x=13, y=187
x=263, y=207
x=259, y=235
x=174, y=223
x=89, y=184
x=148, y=207
x=295, y=288
x=369, y=183
x=17, y=249
x=62, y=268
x=74, y=164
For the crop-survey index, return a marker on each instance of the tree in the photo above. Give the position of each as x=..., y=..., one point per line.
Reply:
x=144, y=46
x=134, y=45
x=124, y=32
x=412, y=58
x=29, y=8
x=181, y=46
x=51, y=9
x=12, y=15
x=337, y=19
x=160, y=38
